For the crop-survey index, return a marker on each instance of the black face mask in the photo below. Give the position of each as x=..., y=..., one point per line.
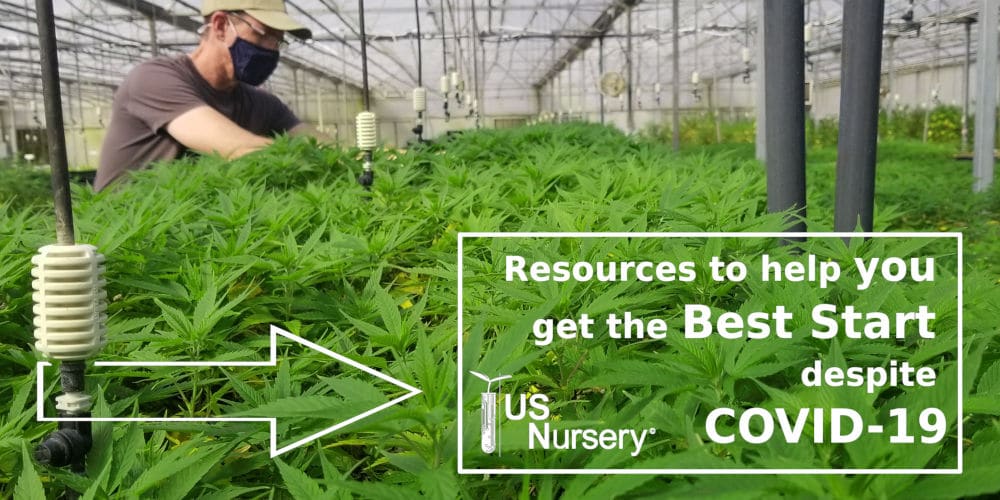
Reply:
x=252, y=64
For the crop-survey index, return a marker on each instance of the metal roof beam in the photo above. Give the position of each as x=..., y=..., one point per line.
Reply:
x=599, y=27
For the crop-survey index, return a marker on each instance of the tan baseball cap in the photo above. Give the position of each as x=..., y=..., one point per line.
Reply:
x=271, y=13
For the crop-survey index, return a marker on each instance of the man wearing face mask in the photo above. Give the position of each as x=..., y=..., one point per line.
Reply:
x=206, y=101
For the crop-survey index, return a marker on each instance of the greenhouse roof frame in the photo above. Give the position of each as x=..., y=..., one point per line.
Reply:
x=526, y=43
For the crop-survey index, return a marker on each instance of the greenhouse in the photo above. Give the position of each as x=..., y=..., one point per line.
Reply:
x=499, y=249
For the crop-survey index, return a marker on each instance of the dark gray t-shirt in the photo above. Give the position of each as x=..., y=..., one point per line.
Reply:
x=157, y=91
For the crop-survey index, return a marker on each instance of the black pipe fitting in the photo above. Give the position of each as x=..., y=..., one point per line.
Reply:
x=67, y=446
x=366, y=179
x=70, y=444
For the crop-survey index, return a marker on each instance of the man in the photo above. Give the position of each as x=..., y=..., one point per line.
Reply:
x=206, y=101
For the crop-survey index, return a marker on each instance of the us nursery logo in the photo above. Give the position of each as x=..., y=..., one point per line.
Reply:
x=542, y=433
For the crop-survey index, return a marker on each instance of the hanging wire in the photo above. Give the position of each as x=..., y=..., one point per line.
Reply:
x=696, y=9
x=473, y=107
x=419, y=93
x=937, y=73
x=656, y=87
x=745, y=51
x=695, y=77
x=364, y=55
x=342, y=88
x=582, y=101
x=27, y=43
x=456, y=55
x=444, y=62
x=365, y=121
x=746, y=33
x=444, y=40
x=420, y=54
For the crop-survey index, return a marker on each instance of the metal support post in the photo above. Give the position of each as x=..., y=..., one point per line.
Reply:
x=986, y=86
x=154, y=45
x=630, y=117
x=732, y=98
x=600, y=69
x=814, y=98
x=890, y=54
x=785, y=101
x=858, y=134
x=761, y=139
x=319, y=103
x=965, y=84
x=295, y=98
x=712, y=109
x=5, y=131
x=11, y=108
x=676, y=91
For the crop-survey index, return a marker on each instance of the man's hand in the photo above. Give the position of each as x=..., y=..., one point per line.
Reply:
x=205, y=130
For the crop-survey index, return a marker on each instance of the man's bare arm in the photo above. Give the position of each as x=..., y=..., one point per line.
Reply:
x=205, y=130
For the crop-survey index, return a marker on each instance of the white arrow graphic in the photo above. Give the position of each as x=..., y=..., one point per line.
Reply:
x=273, y=361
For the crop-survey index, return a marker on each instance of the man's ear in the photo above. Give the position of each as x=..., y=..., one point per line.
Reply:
x=219, y=23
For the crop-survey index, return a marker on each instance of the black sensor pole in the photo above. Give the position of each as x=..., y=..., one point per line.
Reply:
x=70, y=444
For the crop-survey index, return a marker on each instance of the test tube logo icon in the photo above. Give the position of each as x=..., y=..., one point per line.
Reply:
x=489, y=431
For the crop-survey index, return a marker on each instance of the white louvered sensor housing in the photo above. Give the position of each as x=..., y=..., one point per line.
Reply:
x=366, y=130
x=70, y=301
x=419, y=99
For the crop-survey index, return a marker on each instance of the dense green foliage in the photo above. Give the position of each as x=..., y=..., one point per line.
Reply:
x=204, y=254
x=943, y=123
x=23, y=185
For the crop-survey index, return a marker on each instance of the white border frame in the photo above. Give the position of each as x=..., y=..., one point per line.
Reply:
x=959, y=415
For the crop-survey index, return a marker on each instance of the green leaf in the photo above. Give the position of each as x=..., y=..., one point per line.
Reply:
x=99, y=459
x=29, y=486
x=97, y=487
x=231, y=493
x=615, y=487
x=299, y=484
x=175, y=318
x=182, y=482
x=126, y=456
x=989, y=383
x=351, y=388
x=17, y=404
x=988, y=405
x=980, y=476
x=251, y=397
x=438, y=483
x=317, y=407
x=179, y=469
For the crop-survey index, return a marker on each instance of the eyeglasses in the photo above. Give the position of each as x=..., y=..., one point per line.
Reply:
x=271, y=41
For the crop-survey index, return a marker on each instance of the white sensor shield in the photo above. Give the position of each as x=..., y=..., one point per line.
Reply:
x=70, y=301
